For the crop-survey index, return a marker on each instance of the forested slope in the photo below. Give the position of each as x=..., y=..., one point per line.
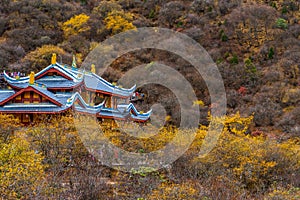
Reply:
x=254, y=43
x=256, y=46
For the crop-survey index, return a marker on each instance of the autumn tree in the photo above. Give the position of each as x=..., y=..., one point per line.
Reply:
x=106, y=7
x=76, y=25
x=183, y=190
x=56, y=139
x=40, y=57
x=8, y=125
x=21, y=168
x=250, y=24
x=72, y=170
x=119, y=21
x=253, y=163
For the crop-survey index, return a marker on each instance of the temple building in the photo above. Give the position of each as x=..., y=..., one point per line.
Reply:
x=59, y=88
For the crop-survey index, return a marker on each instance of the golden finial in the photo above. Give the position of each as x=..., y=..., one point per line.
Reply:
x=53, y=59
x=93, y=69
x=31, y=78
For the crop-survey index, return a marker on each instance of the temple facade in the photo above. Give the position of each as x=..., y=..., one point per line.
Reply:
x=59, y=88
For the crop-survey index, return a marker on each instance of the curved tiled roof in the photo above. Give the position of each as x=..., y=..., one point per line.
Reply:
x=68, y=77
x=77, y=76
x=49, y=82
x=95, y=82
x=4, y=94
x=86, y=107
x=136, y=115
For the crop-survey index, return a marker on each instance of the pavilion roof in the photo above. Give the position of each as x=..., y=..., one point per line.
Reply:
x=63, y=101
x=4, y=94
x=67, y=77
x=40, y=90
x=135, y=114
x=32, y=108
x=70, y=77
x=94, y=82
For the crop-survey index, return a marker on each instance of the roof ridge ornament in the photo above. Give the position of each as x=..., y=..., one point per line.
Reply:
x=93, y=69
x=53, y=59
x=31, y=78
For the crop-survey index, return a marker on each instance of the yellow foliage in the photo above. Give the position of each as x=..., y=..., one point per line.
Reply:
x=8, y=121
x=55, y=138
x=106, y=7
x=75, y=25
x=282, y=193
x=239, y=162
x=119, y=21
x=233, y=123
x=198, y=102
x=21, y=169
x=8, y=125
x=44, y=51
x=93, y=45
x=144, y=140
x=185, y=190
x=41, y=57
x=168, y=118
x=251, y=162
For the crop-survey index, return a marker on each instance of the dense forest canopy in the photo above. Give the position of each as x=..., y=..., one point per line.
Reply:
x=256, y=46
x=254, y=43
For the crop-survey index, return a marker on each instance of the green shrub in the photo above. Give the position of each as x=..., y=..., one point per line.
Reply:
x=284, y=10
x=223, y=36
x=234, y=60
x=152, y=14
x=281, y=23
x=271, y=53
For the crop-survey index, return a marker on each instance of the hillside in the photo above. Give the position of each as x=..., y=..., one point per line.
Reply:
x=254, y=43
x=256, y=46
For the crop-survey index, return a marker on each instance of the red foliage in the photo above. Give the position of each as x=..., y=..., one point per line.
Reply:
x=242, y=90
